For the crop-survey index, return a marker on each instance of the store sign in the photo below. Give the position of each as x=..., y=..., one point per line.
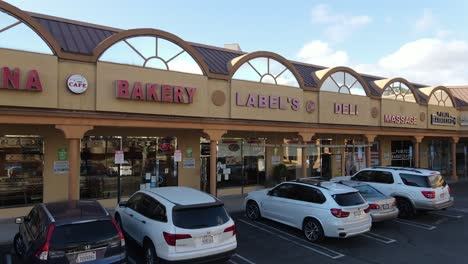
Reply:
x=268, y=101
x=464, y=120
x=443, y=119
x=154, y=92
x=61, y=167
x=400, y=119
x=11, y=80
x=62, y=154
x=119, y=157
x=346, y=109
x=77, y=84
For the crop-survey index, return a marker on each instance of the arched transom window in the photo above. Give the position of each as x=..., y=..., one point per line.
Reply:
x=399, y=91
x=441, y=98
x=343, y=82
x=151, y=52
x=14, y=34
x=266, y=70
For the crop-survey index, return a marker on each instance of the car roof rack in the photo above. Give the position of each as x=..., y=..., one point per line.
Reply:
x=314, y=181
x=398, y=168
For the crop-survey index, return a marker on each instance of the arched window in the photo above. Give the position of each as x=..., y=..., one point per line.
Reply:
x=14, y=34
x=440, y=98
x=266, y=70
x=151, y=52
x=400, y=92
x=343, y=82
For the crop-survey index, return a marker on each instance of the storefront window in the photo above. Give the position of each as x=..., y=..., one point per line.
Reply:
x=293, y=159
x=21, y=164
x=440, y=155
x=148, y=162
x=14, y=34
x=240, y=162
x=343, y=82
x=266, y=70
x=402, y=153
x=355, y=156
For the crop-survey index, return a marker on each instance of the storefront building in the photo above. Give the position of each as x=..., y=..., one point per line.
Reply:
x=87, y=108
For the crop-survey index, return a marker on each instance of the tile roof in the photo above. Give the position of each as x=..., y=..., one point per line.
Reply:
x=81, y=38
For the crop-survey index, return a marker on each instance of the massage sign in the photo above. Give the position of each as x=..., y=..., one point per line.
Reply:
x=443, y=119
x=11, y=80
x=153, y=92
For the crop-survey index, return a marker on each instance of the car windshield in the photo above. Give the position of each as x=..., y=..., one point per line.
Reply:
x=348, y=199
x=83, y=233
x=367, y=191
x=194, y=218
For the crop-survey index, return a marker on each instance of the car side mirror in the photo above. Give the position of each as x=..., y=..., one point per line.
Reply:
x=123, y=203
x=19, y=220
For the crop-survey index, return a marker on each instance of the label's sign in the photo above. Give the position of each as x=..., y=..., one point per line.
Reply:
x=346, y=109
x=154, y=92
x=77, y=84
x=464, y=120
x=61, y=167
x=119, y=157
x=443, y=119
x=268, y=101
x=11, y=80
x=62, y=154
x=400, y=119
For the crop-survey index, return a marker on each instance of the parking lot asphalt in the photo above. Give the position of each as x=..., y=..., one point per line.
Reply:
x=433, y=237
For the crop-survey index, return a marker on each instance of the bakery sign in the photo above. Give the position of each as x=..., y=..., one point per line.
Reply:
x=153, y=92
x=443, y=119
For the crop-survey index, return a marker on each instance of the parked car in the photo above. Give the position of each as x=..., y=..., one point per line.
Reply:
x=413, y=189
x=178, y=224
x=381, y=207
x=69, y=232
x=318, y=208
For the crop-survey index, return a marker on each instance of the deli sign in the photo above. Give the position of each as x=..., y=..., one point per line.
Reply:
x=154, y=92
x=11, y=80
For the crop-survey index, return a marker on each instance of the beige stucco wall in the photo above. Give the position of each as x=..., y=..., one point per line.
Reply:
x=407, y=109
x=108, y=73
x=69, y=100
x=465, y=115
x=47, y=68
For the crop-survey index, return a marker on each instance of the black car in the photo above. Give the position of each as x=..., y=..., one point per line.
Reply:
x=69, y=232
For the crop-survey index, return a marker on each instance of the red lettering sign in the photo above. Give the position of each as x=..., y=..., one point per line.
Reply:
x=154, y=92
x=11, y=80
x=400, y=119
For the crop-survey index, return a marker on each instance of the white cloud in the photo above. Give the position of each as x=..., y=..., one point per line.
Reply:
x=320, y=53
x=429, y=61
x=338, y=26
x=426, y=22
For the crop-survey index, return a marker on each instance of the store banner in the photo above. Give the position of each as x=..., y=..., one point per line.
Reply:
x=61, y=167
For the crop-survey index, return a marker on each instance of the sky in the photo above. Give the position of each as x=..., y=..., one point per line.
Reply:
x=423, y=41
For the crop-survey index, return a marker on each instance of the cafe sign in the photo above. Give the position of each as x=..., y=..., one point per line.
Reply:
x=443, y=119
x=153, y=92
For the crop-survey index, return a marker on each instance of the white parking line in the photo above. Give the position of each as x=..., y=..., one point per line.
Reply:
x=338, y=255
x=379, y=238
x=447, y=215
x=244, y=259
x=410, y=223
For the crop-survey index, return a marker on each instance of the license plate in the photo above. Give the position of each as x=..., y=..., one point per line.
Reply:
x=357, y=213
x=386, y=206
x=88, y=256
x=442, y=195
x=207, y=239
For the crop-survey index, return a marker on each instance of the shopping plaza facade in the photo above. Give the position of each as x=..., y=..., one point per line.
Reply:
x=85, y=106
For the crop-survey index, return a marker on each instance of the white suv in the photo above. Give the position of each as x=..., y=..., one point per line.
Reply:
x=319, y=209
x=414, y=189
x=178, y=224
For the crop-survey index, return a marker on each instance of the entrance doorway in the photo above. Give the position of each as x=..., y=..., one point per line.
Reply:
x=402, y=153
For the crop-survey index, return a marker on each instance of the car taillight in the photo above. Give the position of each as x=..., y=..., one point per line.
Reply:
x=339, y=213
x=43, y=253
x=231, y=228
x=374, y=206
x=394, y=203
x=172, y=238
x=428, y=194
x=367, y=210
x=449, y=190
x=121, y=236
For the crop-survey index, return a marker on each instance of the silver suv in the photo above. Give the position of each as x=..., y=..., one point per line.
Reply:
x=414, y=189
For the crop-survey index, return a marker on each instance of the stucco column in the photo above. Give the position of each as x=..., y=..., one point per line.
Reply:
x=369, y=139
x=74, y=133
x=214, y=135
x=306, y=136
x=417, y=144
x=454, y=158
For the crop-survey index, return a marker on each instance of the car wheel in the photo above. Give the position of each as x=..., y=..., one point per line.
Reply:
x=313, y=230
x=406, y=208
x=18, y=245
x=252, y=210
x=150, y=254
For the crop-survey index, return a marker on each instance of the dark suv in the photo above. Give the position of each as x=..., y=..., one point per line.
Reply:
x=69, y=232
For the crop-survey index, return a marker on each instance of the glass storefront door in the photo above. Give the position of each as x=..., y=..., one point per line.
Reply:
x=402, y=153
